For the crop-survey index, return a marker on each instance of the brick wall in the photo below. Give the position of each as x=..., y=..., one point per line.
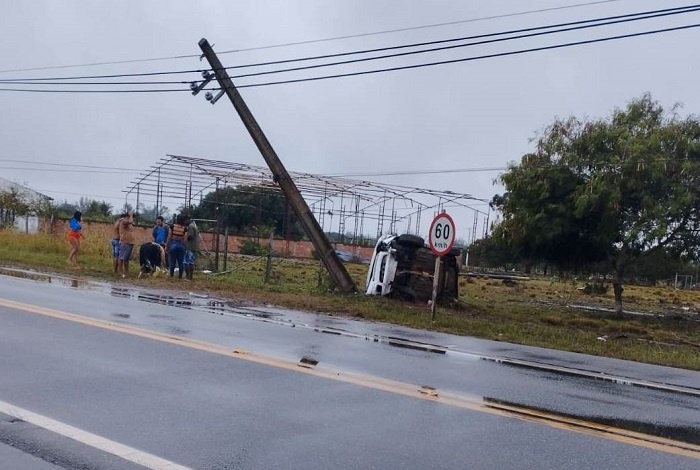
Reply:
x=281, y=247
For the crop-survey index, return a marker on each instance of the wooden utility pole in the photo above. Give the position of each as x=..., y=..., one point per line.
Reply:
x=313, y=230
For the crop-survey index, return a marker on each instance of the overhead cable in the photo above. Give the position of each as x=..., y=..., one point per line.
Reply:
x=469, y=59
x=312, y=41
x=575, y=25
x=389, y=69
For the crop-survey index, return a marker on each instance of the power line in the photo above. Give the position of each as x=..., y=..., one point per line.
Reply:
x=469, y=59
x=416, y=172
x=629, y=16
x=118, y=75
x=120, y=83
x=41, y=90
x=582, y=24
x=413, y=28
x=59, y=170
x=486, y=169
x=443, y=48
x=343, y=175
x=312, y=41
x=9, y=160
x=79, y=194
x=390, y=69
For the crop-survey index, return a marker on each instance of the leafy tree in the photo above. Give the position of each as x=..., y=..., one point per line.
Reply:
x=12, y=204
x=126, y=208
x=615, y=189
x=490, y=253
x=659, y=265
x=147, y=215
x=249, y=210
x=91, y=209
x=65, y=209
x=94, y=209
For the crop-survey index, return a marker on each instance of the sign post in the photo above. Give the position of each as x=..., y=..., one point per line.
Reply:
x=441, y=238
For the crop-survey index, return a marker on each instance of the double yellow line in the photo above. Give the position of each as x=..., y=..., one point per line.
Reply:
x=423, y=392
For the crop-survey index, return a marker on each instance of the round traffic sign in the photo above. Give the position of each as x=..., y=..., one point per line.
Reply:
x=442, y=234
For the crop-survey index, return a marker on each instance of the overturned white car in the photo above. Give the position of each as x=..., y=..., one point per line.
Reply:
x=402, y=266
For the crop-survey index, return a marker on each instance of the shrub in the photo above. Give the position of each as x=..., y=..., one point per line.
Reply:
x=595, y=288
x=251, y=247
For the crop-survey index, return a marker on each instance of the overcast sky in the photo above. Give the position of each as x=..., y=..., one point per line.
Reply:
x=478, y=114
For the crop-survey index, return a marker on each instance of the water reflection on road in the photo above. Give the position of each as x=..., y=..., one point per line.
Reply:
x=576, y=403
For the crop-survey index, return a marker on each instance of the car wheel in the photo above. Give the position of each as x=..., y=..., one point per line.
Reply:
x=409, y=240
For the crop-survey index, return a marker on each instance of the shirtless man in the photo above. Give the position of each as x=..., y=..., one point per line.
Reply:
x=126, y=242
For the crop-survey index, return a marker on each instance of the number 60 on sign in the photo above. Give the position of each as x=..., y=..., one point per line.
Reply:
x=442, y=234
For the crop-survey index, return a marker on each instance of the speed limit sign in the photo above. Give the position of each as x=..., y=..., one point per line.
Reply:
x=442, y=234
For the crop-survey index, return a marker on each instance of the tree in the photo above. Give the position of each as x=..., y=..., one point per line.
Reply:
x=249, y=209
x=126, y=208
x=94, y=209
x=659, y=265
x=12, y=204
x=489, y=253
x=148, y=214
x=65, y=209
x=616, y=189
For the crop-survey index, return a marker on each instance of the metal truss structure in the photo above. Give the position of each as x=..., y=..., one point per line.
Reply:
x=351, y=207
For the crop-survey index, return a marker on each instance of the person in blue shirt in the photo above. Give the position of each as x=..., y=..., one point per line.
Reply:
x=160, y=231
x=160, y=234
x=74, y=236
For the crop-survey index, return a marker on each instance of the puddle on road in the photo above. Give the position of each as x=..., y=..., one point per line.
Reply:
x=687, y=434
x=48, y=278
x=163, y=299
x=420, y=346
x=217, y=306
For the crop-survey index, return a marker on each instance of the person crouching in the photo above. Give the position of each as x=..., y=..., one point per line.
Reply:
x=151, y=258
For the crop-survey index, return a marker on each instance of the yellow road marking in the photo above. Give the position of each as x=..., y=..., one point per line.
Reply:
x=387, y=385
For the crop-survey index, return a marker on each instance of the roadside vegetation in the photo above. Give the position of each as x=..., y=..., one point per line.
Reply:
x=547, y=312
x=598, y=208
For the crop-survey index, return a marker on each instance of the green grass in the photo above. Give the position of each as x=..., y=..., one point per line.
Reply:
x=531, y=312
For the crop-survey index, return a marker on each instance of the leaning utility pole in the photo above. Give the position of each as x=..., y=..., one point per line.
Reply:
x=313, y=230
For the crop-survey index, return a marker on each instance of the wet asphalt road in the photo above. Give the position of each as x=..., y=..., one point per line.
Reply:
x=205, y=410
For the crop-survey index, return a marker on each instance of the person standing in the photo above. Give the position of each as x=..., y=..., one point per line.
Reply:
x=176, y=246
x=126, y=242
x=74, y=235
x=191, y=248
x=115, y=242
x=160, y=233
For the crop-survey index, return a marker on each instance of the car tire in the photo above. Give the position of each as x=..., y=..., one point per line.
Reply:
x=409, y=240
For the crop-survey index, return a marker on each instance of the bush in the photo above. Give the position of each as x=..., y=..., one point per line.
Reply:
x=251, y=247
x=595, y=288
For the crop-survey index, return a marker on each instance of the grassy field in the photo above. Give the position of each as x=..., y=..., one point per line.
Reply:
x=539, y=312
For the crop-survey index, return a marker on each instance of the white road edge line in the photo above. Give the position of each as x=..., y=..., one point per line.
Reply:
x=92, y=440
